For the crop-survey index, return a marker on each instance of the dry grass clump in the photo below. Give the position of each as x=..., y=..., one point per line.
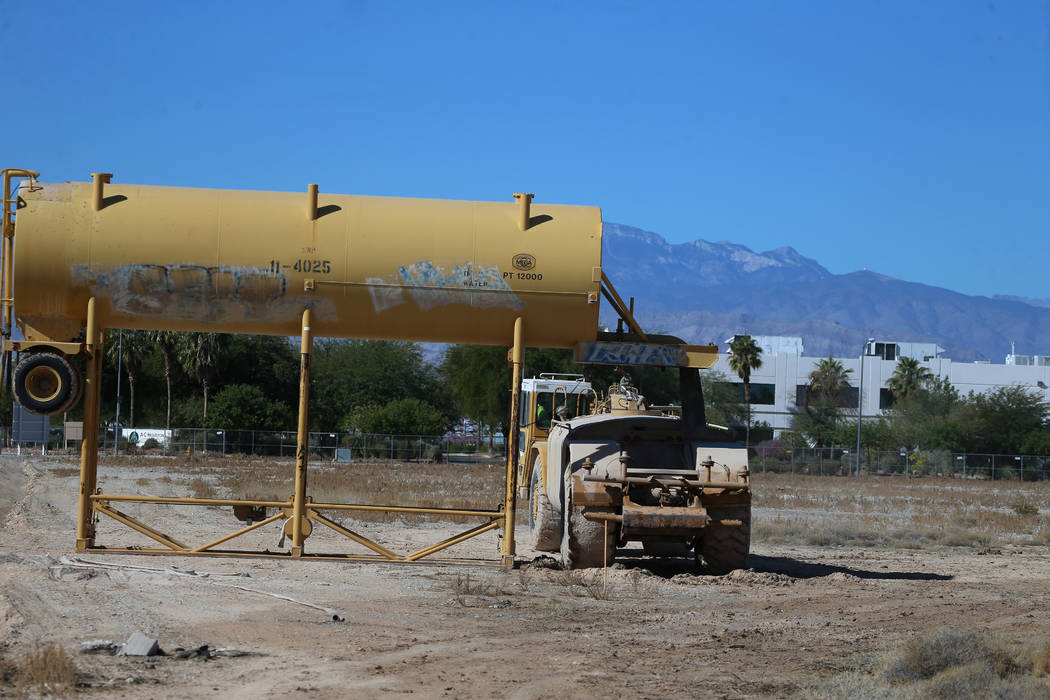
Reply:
x=43, y=670
x=947, y=663
x=899, y=512
x=200, y=488
x=465, y=585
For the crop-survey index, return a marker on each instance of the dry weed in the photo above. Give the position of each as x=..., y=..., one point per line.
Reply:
x=46, y=670
x=946, y=663
x=200, y=488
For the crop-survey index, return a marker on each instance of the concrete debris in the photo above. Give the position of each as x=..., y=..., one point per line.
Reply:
x=139, y=644
x=98, y=646
x=205, y=652
x=201, y=653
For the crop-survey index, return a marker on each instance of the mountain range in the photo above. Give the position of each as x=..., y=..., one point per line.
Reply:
x=706, y=291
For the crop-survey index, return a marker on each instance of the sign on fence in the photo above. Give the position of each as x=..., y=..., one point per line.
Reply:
x=29, y=427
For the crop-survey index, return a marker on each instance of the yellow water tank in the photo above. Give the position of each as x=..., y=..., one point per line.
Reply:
x=230, y=261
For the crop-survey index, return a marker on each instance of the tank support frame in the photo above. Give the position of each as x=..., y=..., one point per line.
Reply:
x=299, y=513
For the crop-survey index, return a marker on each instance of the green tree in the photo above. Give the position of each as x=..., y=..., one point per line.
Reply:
x=166, y=343
x=352, y=373
x=199, y=355
x=721, y=399
x=132, y=348
x=408, y=416
x=817, y=422
x=269, y=362
x=827, y=381
x=907, y=378
x=1005, y=420
x=930, y=417
x=744, y=356
x=818, y=418
x=246, y=407
x=478, y=381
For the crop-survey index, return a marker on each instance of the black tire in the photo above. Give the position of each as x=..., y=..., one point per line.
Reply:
x=544, y=521
x=587, y=544
x=724, y=549
x=47, y=383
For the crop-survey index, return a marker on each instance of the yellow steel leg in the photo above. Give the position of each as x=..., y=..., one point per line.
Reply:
x=517, y=358
x=299, y=501
x=89, y=443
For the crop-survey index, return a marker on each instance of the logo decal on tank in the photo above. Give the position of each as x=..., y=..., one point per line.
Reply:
x=523, y=261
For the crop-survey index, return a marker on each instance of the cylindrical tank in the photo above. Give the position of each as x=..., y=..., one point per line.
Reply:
x=172, y=258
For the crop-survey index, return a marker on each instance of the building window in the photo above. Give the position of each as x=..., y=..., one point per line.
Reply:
x=887, y=351
x=885, y=398
x=761, y=394
x=847, y=398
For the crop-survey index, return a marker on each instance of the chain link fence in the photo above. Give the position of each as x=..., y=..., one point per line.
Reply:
x=342, y=447
x=345, y=447
x=837, y=461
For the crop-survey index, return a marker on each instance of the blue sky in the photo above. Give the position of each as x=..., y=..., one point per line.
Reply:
x=908, y=138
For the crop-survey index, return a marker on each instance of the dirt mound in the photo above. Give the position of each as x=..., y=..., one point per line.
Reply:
x=739, y=577
x=842, y=577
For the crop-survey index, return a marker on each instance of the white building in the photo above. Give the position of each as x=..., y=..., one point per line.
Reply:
x=780, y=384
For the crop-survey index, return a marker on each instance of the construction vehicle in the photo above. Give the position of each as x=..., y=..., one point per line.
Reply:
x=602, y=472
x=92, y=256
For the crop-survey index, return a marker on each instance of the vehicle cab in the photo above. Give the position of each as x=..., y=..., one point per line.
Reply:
x=551, y=397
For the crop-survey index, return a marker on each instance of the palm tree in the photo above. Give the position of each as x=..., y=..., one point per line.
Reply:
x=744, y=356
x=198, y=353
x=907, y=378
x=166, y=343
x=827, y=380
x=132, y=348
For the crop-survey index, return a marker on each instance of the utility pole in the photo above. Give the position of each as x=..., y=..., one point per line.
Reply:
x=116, y=429
x=860, y=399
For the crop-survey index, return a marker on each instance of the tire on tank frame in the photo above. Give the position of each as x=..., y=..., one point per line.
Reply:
x=46, y=382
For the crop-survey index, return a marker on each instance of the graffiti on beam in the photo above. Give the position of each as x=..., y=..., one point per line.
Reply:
x=431, y=286
x=183, y=292
x=608, y=353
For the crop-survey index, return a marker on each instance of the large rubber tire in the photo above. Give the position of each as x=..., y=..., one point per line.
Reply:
x=46, y=383
x=544, y=521
x=724, y=549
x=585, y=544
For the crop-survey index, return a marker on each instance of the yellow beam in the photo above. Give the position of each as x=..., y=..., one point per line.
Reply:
x=240, y=532
x=141, y=527
x=418, y=510
x=517, y=360
x=186, y=501
x=303, y=439
x=360, y=539
x=456, y=539
x=89, y=443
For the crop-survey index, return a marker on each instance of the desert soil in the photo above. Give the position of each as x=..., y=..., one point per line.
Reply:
x=798, y=616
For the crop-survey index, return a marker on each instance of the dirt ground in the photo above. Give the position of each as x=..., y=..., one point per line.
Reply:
x=798, y=617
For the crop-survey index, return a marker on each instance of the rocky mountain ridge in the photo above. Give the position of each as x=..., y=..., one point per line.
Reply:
x=706, y=291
